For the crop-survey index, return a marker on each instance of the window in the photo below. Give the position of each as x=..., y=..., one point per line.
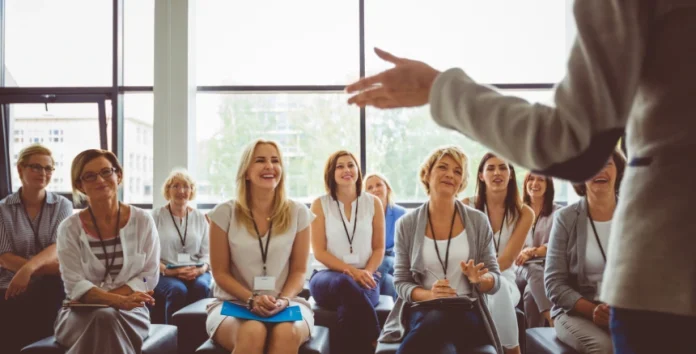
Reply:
x=138, y=149
x=277, y=42
x=139, y=42
x=70, y=120
x=53, y=43
x=494, y=41
x=316, y=125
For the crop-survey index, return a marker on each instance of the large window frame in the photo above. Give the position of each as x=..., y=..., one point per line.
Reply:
x=115, y=93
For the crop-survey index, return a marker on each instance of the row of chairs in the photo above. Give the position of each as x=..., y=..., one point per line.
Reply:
x=188, y=335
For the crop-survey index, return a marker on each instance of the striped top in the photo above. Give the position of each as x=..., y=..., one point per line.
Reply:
x=96, y=247
x=17, y=235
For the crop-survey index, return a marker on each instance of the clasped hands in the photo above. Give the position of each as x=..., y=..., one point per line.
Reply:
x=361, y=276
x=267, y=305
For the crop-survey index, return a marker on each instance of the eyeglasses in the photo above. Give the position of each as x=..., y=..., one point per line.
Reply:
x=38, y=168
x=104, y=173
x=178, y=186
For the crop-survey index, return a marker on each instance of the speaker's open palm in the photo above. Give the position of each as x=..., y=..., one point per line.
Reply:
x=473, y=272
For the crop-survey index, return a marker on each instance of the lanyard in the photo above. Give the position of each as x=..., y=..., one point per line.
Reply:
x=355, y=218
x=500, y=232
x=108, y=264
x=536, y=220
x=594, y=230
x=37, y=243
x=182, y=238
x=449, y=239
x=264, y=252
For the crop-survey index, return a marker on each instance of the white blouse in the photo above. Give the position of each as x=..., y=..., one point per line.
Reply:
x=594, y=262
x=246, y=261
x=81, y=270
x=196, y=230
x=459, y=251
x=336, y=239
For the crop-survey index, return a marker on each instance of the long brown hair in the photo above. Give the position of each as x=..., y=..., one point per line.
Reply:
x=330, y=172
x=549, y=195
x=513, y=203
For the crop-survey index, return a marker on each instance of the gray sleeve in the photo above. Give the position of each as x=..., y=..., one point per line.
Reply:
x=403, y=279
x=65, y=209
x=592, y=103
x=557, y=273
x=487, y=252
x=5, y=242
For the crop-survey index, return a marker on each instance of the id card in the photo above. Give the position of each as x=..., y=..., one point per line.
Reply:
x=351, y=259
x=264, y=283
x=183, y=258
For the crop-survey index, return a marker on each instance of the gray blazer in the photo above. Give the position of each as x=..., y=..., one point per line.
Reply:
x=409, y=270
x=564, y=275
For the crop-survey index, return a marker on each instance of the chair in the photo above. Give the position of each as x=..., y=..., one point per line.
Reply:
x=191, y=323
x=542, y=340
x=318, y=344
x=161, y=340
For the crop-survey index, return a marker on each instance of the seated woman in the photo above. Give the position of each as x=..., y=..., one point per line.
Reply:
x=183, y=233
x=443, y=249
x=348, y=244
x=109, y=254
x=497, y=196
x=538, y=194
x=31, y=291
x=576, y=259
x=378, y=185
x=259, y=251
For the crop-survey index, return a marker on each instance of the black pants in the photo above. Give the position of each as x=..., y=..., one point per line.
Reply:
x=445, y=330
x=29, y=317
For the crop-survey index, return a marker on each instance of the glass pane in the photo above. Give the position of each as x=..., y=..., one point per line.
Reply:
x=139, y=42
x=58, y=43
x=277, y=42
x=138, y=148
x=309, y=127
x=398, y=141
x=493, y=41
x=66, y=129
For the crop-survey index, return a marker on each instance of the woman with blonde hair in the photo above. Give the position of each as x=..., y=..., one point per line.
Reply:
x=109, y=255
x=259, y=251
x=30, y=287
x=444, y=250
x=378, y=185
x=185, y=258
x=348, y=244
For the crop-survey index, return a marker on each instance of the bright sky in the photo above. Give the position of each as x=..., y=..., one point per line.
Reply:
x=282, y=42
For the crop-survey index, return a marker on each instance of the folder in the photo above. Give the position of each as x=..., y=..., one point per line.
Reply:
x=289, y=314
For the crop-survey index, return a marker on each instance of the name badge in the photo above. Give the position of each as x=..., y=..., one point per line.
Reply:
x=183, y=258
x=351, y=258
x=264, y=283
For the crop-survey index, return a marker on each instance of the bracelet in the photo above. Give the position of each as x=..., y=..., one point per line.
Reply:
x=250, y=301
x=284, y=298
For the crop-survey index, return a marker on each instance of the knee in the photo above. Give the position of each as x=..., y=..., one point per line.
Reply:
x=251, y=336
x=200, y=288
x=434, y=317
x=177, y=292
x=105, y=317
x=286, y=335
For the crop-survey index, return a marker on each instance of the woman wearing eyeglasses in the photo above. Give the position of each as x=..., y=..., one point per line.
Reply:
x=185, y=258
x=109, y=255
x=30, y=287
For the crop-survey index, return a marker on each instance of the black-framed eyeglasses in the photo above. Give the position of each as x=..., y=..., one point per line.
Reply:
x=38, y=168
x=104, y=173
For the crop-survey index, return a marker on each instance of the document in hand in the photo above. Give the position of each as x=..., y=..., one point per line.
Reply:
x=459, y=302
x=290, y=314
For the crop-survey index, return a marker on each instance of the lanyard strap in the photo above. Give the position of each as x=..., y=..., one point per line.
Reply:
x=264, y=252
x=182, y=238
x=536, y=220
x=108, y=264
x=355, y=224
x=596, y=235
x=37, y=243
x=500, y=232
x=449, y=239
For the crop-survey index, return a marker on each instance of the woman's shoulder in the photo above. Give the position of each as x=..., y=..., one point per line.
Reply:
x=70, y=225
x=62, y=201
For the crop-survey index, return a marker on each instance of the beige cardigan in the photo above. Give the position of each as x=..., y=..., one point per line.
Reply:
x=632, y=68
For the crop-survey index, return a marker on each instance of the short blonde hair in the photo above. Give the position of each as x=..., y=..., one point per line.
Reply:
x=33, y=149
x=181, y=174
x=280, y=214
x=390, y=192
x=79, y=163
x=452, y=151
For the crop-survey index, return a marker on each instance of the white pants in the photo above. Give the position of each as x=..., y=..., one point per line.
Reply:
x=502, y=307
